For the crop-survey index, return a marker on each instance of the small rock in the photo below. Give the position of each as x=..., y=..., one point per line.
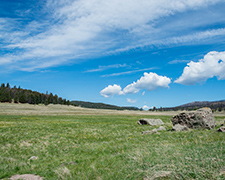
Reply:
x=33, y=158
x=151, y=122
x=221, y=129
x=179, y=127
x=150, y=132
x=26, y=177
x=161, y=128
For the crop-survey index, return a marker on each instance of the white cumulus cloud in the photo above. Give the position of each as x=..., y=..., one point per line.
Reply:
x=145, y=107
x=111, y=90
x=131, y=100
x=213, y=64
x=150, y=81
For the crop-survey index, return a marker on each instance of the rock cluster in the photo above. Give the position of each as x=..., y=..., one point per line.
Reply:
x=199, y=119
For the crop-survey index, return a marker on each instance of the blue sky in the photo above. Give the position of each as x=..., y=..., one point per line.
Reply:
x=127, y=53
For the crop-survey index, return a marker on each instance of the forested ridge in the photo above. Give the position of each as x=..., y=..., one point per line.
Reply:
x=20, y=95
x=214, y=105
x=102, y=106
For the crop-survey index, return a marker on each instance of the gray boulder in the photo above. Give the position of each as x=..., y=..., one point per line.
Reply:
x=151, y=122
x=202, y=118
x=161, y=128
x=179, y=127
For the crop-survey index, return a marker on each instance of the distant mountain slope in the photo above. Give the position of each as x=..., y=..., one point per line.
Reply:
x=101, y=105
x=214, y=105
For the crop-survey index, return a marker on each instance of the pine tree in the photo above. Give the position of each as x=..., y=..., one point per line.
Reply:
x=23, y=97
x=55, y=99
x=8, y=86
x=16, y=98
x=68, y=102
x=50, y=98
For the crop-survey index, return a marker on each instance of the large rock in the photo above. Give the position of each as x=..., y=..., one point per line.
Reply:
x=202, y=118
x=151, y=122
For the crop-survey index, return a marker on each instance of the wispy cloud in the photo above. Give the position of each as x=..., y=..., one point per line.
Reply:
x=73, y=30
x=192, y=38
x=103, y=68
x=178, y=61
x=128, y=72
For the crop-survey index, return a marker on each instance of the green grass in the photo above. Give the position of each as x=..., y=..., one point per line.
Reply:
x=106, y=147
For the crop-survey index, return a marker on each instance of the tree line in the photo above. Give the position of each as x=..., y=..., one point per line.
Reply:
x=215, y=106
x=20, y=95
x=101, y=106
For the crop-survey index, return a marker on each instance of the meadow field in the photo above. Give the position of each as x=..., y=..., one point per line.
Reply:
x=66, y=142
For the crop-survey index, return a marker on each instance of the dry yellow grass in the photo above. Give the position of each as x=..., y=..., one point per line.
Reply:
x=28, y=109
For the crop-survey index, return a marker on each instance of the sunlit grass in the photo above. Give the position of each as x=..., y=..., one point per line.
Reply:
x=106, y=147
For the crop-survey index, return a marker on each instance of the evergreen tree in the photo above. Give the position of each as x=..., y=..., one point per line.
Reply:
x=8, y=86
x=50, y=98
x=16, y=97
x=68, y=102
x=64, y=101
x=23, y=97
x=5, y=96
x=60, y=101
x=55, y=99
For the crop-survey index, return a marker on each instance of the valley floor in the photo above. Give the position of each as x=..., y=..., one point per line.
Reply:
x=66, y=142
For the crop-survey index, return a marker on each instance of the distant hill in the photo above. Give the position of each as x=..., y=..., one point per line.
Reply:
x=214, y=105
x=101, y=105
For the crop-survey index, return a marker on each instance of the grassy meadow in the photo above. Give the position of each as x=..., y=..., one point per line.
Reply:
x=104, y=146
